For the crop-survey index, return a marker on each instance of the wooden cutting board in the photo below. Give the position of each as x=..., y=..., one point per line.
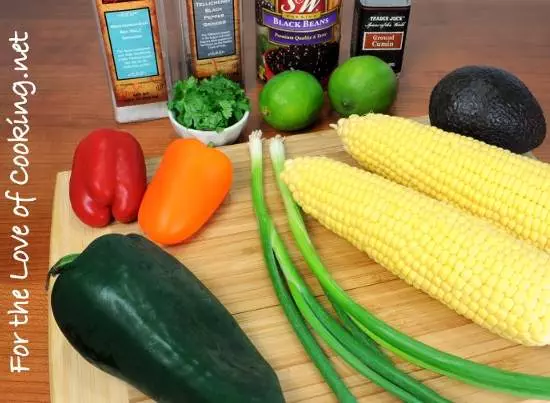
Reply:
x=226, y=257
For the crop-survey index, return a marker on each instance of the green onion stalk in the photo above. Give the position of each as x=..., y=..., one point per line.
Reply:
x=399, y=343
x=310, y=344
x=361, y=356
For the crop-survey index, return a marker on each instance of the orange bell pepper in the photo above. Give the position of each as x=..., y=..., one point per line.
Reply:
x=190, y=184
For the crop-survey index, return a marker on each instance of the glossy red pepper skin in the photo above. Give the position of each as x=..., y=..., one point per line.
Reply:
x=108, y=178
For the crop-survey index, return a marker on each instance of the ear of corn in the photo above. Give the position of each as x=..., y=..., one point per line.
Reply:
x=508, y=189
x=474, y=267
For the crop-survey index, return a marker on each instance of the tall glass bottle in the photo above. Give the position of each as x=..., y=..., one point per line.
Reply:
x=135, y=58
x=144, y=55
x=380, y=29
x=213, y=37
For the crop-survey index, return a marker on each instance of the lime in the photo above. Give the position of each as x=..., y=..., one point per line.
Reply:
x=362, y=84
x=291, y=100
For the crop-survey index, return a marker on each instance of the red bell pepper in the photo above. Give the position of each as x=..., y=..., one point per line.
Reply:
x=108, y=178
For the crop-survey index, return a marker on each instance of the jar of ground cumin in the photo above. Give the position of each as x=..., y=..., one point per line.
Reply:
x=298, y=35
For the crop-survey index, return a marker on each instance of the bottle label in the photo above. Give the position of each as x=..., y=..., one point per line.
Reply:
x=132, y=43
x=299, y=35
x=133, y=50
x=383, y=41
x=214, y=28
x=381, y=31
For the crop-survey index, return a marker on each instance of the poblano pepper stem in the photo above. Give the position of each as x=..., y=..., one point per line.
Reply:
x=60, y=266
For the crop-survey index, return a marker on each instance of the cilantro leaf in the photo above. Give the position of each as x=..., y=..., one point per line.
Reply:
x=226, y=107
x=209, y=104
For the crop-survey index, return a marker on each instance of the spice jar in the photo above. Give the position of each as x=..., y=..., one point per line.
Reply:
x=136, y=59
x=212, y=31
x=380, y=29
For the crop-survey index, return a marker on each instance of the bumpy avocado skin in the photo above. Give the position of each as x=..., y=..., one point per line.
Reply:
x=489, y=104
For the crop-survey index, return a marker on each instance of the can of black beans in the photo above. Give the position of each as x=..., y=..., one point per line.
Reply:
x=298, y=35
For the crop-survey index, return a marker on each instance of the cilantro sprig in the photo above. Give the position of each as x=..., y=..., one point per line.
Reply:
x=213, y=103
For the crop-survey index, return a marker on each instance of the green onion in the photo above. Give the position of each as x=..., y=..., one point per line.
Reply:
x=371, y=364
x=366, y=362
x=356, y=332
x=277, y=154
x=265, y=225
x=372, y=358
x=400, y=344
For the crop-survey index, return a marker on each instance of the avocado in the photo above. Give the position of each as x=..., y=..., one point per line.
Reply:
x=490, y=105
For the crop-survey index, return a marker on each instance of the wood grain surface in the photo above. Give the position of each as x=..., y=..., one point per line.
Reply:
x=239, y=278
x=65, y=63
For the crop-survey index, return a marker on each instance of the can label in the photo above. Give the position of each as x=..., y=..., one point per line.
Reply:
x=381, y=32
x=299, y=35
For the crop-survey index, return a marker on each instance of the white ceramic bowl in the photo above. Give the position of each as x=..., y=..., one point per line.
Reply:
x=228, y=136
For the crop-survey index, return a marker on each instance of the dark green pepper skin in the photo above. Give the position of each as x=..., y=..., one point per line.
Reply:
x=134, y=311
